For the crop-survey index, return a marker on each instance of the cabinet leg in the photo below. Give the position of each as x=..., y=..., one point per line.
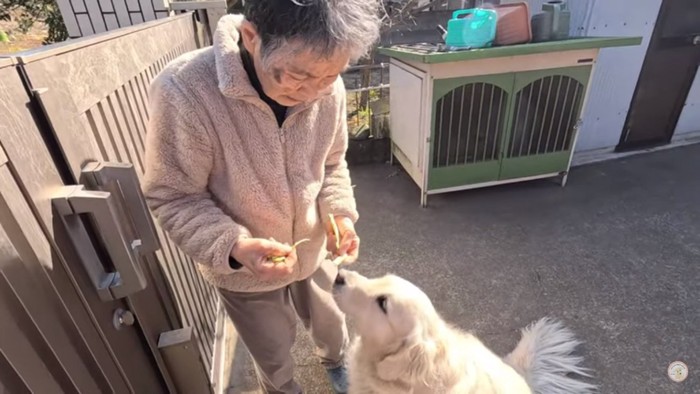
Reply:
x=564, y=178
x=424, y=199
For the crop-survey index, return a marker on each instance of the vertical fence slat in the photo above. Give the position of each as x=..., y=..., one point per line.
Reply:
x=183, y=274
x=112, y=129
x=193, y=284
x=122, y=131
x=127, y=136
x=181, y=284
x=140, y=108
x=98, y=135
x=135, y=117
x=143, y=92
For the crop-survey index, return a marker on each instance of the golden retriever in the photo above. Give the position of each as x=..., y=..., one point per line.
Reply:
x=404, y=346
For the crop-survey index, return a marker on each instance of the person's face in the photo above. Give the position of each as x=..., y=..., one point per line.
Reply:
x=300, y=76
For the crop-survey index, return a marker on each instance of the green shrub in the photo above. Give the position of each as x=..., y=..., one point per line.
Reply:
x=29, y=12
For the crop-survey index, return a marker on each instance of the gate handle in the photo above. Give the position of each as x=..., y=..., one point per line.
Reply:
x=98, y=175
x=72, y=201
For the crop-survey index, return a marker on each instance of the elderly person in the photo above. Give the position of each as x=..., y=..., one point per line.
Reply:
x=246, y=155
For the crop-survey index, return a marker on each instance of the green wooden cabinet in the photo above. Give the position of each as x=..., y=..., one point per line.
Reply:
x=466, y=120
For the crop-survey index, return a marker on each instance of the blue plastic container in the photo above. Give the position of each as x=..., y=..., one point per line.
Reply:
x=471, y=28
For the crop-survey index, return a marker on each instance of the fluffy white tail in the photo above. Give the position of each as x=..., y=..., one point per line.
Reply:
x=544, y=357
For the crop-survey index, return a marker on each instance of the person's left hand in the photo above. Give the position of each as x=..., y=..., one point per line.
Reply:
x=349, y=241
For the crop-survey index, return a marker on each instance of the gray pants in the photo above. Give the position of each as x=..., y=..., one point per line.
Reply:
x=266, y=324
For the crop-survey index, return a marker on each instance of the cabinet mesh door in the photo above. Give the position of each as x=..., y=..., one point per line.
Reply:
x=545, y=114
x=542, y=125
x=468, y=123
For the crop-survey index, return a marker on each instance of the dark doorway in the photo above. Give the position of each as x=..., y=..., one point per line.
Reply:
x=669, y=68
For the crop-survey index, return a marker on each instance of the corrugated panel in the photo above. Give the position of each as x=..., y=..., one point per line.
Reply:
x=689, y=120
x=617, y=70
x=88, y=17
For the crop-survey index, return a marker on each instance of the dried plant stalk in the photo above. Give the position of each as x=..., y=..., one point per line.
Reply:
x=282, y=259
x=336, y=231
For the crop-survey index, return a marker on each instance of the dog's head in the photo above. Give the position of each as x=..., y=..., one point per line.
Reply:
x=395, y=319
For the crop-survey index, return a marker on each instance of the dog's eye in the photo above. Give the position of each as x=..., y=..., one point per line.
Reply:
x=381, y=301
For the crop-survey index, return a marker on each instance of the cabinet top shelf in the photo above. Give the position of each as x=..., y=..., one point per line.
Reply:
x=428, y=53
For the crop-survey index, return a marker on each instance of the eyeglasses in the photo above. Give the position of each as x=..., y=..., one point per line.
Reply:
x=303, y=3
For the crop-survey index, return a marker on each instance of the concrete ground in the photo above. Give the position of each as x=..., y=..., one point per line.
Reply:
x=615, y=255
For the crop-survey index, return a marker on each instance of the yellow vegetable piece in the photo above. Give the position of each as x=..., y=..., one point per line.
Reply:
x=297, y=243
x=339, y=260
x=336, y=231
x=282, y=259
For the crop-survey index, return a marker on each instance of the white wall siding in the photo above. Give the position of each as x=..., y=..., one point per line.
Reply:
x=617, y=69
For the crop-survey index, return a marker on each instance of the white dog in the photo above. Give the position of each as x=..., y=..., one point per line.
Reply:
x=403, y=346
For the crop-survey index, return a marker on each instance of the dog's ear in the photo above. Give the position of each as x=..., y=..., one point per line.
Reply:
x=412, y=362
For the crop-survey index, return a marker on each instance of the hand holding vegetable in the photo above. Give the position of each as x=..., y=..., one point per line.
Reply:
x=268, y=259
x=343, y=241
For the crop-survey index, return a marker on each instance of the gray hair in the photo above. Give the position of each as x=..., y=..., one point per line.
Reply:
x=322, y=26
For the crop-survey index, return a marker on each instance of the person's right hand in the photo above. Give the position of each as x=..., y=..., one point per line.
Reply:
x=254, y=253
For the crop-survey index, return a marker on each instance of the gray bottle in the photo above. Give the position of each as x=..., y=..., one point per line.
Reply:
x=553, y=23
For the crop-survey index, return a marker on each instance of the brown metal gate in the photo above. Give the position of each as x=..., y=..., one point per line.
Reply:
x=94, y=297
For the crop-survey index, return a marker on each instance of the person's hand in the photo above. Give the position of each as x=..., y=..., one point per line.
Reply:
x=255, y=254
x=349, y=241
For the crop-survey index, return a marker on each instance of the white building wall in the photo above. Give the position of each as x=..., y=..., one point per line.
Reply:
x=617, y=69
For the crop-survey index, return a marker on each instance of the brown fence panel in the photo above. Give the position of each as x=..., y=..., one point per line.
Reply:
x=94, y=93
x=49, y=341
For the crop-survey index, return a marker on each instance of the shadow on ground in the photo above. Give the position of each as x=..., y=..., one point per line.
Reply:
x=615, y=255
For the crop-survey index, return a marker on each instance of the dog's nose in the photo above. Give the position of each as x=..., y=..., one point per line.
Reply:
x=340, y=279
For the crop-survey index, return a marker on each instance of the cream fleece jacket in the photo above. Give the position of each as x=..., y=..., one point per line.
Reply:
x=219, y=167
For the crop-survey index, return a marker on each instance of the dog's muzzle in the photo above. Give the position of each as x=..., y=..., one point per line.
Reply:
x=340, y=279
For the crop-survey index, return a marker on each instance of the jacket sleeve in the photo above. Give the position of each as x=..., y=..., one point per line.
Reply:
x=179, y=159
x=336, y=196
